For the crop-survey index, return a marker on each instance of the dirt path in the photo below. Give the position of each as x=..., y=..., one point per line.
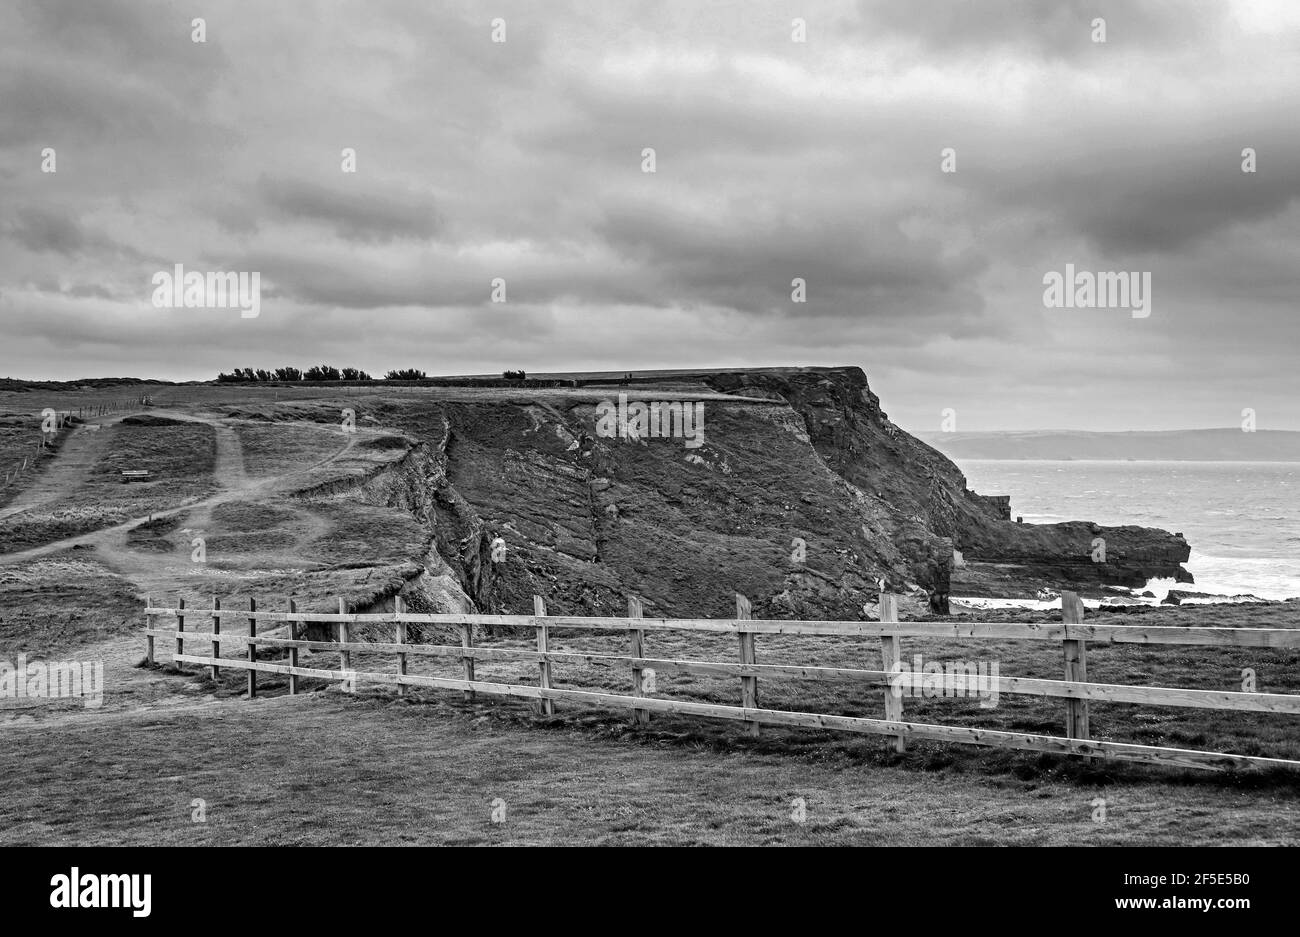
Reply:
x=69, y=469
x=231, y=476
x=229, y=469
x=130, y=691
x=230, y=473
x=95, y=538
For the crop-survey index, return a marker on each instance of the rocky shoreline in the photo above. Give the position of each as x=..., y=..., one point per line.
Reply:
x=990, y=554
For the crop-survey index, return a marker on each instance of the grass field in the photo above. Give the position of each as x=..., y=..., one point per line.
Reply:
x=63, y=604
x=333, y=768
x=325, y=769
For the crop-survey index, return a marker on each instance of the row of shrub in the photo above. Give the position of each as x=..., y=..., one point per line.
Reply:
x=327, y=372
x=319, y=372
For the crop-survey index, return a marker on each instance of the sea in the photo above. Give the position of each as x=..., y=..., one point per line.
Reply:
x=1241, y=519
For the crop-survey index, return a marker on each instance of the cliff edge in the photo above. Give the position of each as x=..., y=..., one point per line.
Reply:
x=796, y=491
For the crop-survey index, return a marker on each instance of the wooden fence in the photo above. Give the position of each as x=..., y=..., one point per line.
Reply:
x=1071, y=633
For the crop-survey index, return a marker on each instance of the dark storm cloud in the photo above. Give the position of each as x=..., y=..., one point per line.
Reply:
x=146, y=40
x=112, y=68
x=356, y=210
x=1061, y=29
x=748, y=259
x=521, y=162
x=1148, y=192
x=39, y=229
x=50, y=229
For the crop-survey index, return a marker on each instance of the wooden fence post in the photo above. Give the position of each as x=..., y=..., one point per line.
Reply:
x=252, y=649
x=216, y=630
x=401, y=639
x=180, y=628
x=748, y=685
x=546, y=706
x=293, y=651
x=148, y=623
x=467, y=642
x=345, y=657
x=890, y=654
x=1076, y=667
x=634, y=610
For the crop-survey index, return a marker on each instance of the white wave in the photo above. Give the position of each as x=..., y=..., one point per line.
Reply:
x=1265, y=577
x=1038, y=605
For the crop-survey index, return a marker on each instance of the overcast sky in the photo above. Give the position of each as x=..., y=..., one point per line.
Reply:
x=774, y=160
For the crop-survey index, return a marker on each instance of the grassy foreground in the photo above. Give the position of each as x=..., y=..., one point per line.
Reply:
x=325, y=769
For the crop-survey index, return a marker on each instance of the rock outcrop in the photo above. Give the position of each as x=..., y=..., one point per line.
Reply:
x=802, y=496
x=1001, y=558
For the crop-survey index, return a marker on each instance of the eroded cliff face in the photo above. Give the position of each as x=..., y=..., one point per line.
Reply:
x=585, y=521
x=857, y=439
x=803, y=497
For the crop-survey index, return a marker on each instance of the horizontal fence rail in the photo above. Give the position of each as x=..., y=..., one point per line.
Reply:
x=1073, y=635
x=1007, y=631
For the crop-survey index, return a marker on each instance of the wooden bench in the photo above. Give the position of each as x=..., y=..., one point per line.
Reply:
x=135, y=475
